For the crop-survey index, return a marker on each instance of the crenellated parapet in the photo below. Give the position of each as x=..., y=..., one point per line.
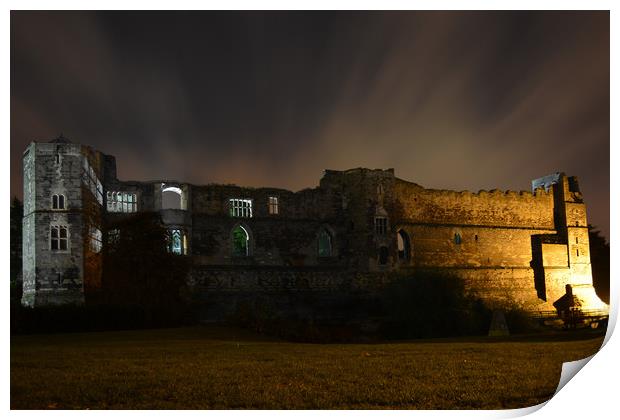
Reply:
x=486, y=208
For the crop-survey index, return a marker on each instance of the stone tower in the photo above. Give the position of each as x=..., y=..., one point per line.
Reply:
x=61, y=224
x=562, y=261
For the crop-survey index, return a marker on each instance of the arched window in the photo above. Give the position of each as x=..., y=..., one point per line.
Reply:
x=324, y=243
x=171, y=198
x=240, y=242
x=58, y=202
x=177, y=243
x=457, y=238
x=404, y=246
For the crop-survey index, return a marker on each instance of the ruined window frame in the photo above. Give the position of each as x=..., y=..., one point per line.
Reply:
x=113, y=236
x=273, y=205
x=96, y=239
x=89, y=178
x=240, y=207
x=166, y=190
x=121, y=202
x=58, y=241
x=325, y=238
x=381, y=225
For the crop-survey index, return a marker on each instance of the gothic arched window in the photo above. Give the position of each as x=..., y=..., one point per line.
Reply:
x=58, y=202
x=240, y=242
x=324, y=244
x=404, y=246
x=177, y=241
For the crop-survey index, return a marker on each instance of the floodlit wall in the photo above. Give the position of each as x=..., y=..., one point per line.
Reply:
x=510, y=248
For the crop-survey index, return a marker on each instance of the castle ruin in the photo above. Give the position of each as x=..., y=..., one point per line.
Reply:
x=518, y=248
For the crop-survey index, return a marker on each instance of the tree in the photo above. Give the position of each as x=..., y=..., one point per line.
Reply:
x=599, y=258
x=139, y=270
x=17, y=214
x=431, y=304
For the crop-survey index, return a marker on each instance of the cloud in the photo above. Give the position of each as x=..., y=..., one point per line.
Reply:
x=461, y=100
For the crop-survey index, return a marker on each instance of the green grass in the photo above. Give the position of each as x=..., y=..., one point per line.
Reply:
x=215, y=367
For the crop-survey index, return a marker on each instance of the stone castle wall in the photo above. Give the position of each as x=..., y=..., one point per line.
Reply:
x=225, y=287
x=486, y=208
x=510, y=248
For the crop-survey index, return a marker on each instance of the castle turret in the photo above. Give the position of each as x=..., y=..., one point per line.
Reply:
x=562, y=260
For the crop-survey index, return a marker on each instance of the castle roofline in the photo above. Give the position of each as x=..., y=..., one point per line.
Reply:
x=60, y=139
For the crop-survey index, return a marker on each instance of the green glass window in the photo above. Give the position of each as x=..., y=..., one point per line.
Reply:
x=241, y=240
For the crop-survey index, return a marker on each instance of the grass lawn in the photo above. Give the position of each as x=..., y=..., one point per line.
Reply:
x=216, y=367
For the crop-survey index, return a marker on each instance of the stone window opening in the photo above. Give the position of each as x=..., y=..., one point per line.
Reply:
x=457, y=238
x=381, y=225
x=273, y=205
x=404, y=246
x=59, y=238
x=114, y=236
x=172, y=198
x=240, y=242
x=476, y=238
x=577, y=252
x=95, y=239
x=383, y=255
x=240, y=207
x=576, y=240
x=58, y=202
x=121, y=202
x=177, y=242
x=380, y=193
x=324, y=242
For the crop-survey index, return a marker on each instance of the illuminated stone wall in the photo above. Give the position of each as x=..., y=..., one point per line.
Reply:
x=52, y=277
x=510, y=248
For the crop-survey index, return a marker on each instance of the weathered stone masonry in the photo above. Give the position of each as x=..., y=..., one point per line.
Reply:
x=344, y=236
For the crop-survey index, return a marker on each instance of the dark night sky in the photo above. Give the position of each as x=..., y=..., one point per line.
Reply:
x=459, y=101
